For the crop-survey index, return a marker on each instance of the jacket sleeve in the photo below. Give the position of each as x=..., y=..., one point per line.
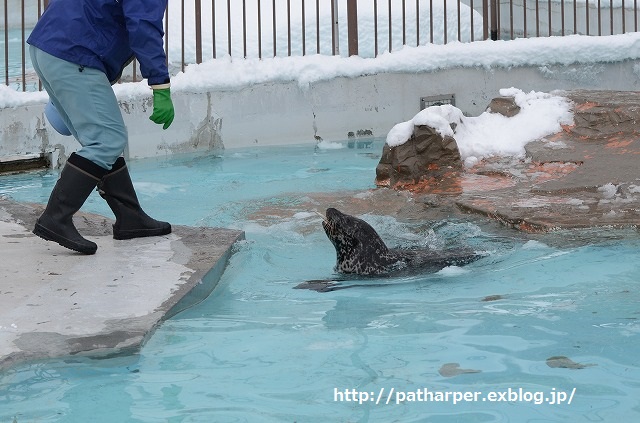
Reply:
x=144, y=25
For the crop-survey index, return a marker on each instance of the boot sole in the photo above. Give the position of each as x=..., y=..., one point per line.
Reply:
x=48, y=235
x=140, y=233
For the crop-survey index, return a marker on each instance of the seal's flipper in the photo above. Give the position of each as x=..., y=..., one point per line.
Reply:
x=329, y=285
x=320, y=285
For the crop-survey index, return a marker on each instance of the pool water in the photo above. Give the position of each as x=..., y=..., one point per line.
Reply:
x=540, y=319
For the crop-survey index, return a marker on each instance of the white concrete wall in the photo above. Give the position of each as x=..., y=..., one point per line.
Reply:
x=283, y=113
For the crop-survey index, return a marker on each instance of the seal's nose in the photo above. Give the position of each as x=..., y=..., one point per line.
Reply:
x=332, y=213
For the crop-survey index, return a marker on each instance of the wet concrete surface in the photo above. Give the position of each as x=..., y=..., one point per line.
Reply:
x=55, y=302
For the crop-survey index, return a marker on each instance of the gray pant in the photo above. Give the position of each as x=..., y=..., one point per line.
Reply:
x=87, y=104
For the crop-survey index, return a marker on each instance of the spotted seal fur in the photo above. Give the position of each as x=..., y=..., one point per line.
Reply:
x=361, y=251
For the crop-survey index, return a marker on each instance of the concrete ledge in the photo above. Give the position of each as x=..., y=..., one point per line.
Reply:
x=54, y=302
x=286, y=113
x=24, y=162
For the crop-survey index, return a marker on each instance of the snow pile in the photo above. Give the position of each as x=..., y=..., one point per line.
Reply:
x=439, y=118
x=492, y=134
x=12, y=98
x=608, y=191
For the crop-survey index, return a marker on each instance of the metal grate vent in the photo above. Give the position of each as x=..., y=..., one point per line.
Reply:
x=437, y=100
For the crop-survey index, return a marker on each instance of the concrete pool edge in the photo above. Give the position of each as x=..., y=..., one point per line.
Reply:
x=289, y=114
x=56, y=303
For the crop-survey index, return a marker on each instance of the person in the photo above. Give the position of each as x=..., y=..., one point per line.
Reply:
x=79, y=49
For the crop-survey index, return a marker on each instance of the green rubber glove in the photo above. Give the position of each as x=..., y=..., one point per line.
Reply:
x=163, y=112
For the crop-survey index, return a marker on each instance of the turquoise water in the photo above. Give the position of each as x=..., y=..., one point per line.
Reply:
x=259, y=351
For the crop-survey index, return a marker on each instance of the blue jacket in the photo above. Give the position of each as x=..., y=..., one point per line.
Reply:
x=105, y=35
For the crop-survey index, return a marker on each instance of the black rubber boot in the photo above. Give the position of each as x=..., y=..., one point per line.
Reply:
x=131, y=221
x=78, y=178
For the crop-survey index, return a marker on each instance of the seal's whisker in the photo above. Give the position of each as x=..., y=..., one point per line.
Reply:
x=321, y=215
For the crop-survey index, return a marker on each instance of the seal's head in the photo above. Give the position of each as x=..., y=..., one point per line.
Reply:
x=359, y=248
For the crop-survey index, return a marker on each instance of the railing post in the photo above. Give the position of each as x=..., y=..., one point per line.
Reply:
x=198, y=6
x=494, y=19
x=23, y=51
x=352, y=26
x=182, y=35
x=335, y=39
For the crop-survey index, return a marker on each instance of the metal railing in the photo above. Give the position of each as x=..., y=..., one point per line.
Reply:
x=196, y=31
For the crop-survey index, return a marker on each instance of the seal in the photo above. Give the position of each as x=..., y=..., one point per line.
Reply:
x=361, y=251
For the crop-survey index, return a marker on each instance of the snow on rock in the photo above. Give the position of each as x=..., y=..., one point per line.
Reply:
x=492, y=134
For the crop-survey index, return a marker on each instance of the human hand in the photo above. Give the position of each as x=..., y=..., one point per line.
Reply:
x=163, y=112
